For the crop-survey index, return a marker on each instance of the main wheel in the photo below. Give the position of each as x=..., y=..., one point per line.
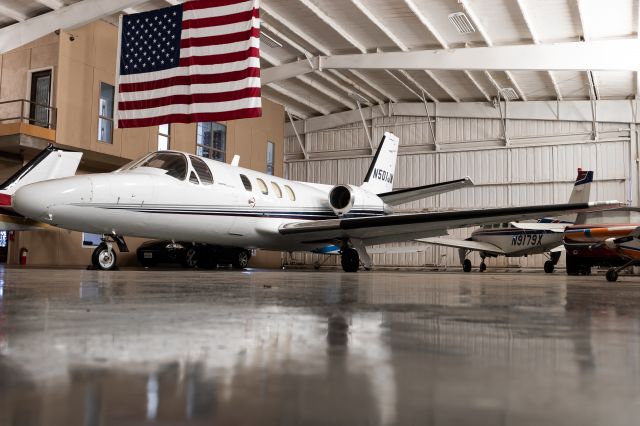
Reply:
x=483, y=267
x=190, y=258
x=612, y=275
x=573, y=265
x=549, y=266
x=466, y=265
x=350, y=260
x=103, y=258
x=242, y=259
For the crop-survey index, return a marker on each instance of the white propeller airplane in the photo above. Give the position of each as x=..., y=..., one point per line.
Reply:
x=181, y=197
x=516, y=239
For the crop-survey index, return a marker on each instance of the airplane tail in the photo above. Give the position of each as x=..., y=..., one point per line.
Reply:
x=580, y=194
x=50, y=163
x=582, y=188
x=379, y=178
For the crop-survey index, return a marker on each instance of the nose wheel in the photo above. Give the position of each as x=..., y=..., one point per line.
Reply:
x=104, y=256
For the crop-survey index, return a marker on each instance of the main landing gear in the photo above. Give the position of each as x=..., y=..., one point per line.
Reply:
x=466, y=263
x=350, y=260
x=351, y=257
x=612, y=273
x=104, y=257
x=550, y=264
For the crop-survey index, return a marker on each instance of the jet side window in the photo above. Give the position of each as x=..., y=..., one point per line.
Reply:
x=193, y=178
x=246, y=182
x=276, y=189
x=290, y=193
x=202, y=170
x=175, y=164
x=262, y=186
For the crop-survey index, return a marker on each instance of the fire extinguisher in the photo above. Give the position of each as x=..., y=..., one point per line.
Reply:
x=24, y=254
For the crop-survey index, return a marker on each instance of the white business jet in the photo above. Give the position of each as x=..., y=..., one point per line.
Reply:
x=516, y=239
x=177, y=196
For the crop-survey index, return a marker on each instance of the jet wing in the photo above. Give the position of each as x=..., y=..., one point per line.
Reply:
x=402, y=196
x=464, y=244
x=404, y=227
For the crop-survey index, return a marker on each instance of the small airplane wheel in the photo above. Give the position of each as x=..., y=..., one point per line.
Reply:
x=483, y=267
x=316, y=265
x=549, y=266
x=103, y=258
x=612, y=275
x=466, y=265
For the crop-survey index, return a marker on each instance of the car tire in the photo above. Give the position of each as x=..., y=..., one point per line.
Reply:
x=241, y=260
x=190, y=257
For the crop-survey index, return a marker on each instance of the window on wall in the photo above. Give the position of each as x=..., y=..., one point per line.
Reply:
x=105, y=113
x=211, y=141
x=164, y=137
x=271, y=148
x=91, y=240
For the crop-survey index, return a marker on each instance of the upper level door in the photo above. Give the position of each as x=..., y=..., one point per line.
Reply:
x=39, y=111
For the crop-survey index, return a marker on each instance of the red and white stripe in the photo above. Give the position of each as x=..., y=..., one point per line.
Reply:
x=218, y=77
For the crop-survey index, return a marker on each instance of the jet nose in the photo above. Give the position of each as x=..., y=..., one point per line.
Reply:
x=37, y=200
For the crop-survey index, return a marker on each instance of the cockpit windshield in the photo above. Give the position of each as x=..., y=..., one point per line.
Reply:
x=175, y=164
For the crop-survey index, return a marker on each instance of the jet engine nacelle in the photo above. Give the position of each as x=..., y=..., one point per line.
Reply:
x=346, y=198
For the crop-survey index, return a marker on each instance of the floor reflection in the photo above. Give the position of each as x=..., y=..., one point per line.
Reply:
x=297, y=348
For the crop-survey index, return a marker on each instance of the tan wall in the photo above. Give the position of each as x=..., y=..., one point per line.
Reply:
x=81, y=65
x=14, y=71
x=85, y=62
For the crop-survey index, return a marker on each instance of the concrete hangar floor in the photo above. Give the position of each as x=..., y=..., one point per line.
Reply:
x=322, y=348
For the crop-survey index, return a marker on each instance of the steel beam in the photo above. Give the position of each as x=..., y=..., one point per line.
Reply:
x=620, y=111
x=602, y=55
x=72, y=16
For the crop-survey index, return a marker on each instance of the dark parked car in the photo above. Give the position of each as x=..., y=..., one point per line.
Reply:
x=191, y=255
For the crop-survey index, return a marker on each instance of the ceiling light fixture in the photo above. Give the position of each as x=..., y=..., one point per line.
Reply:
x=462, y=23
x=509, y=94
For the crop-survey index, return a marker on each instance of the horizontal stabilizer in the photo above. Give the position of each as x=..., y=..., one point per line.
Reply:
x=463, y=244
x=50, y=163
x=407, y=195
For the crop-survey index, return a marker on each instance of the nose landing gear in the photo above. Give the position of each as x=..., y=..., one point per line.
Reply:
x=104, y=257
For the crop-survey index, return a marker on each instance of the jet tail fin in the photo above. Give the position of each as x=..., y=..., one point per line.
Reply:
x=379, y=178
x=50, y=163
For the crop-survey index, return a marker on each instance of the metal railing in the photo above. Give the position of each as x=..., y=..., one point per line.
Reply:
x=26, y=111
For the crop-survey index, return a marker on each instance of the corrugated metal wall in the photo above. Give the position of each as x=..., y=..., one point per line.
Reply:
x=538, y=167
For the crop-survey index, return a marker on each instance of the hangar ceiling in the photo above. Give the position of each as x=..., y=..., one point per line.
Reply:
x=298, y=29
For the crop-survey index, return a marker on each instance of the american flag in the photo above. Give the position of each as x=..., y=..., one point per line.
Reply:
x=195, y=62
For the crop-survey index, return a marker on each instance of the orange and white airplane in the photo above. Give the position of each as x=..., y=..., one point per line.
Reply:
x=611, y=239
